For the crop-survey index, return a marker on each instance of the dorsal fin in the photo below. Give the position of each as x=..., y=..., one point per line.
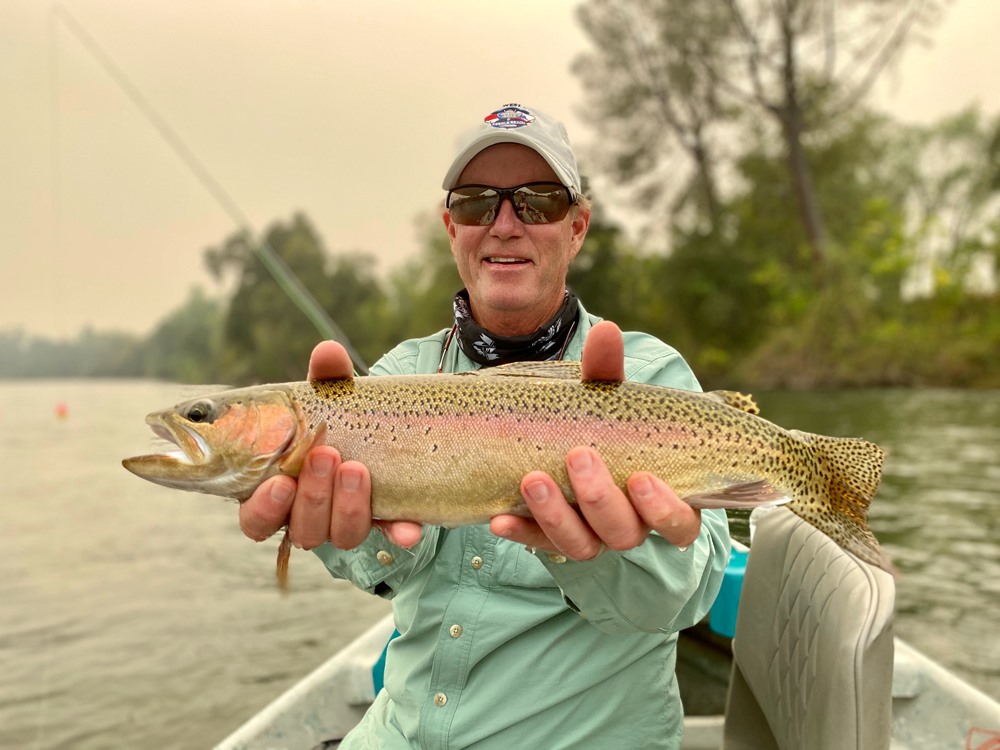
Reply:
x=735, y=399
x=561, y=370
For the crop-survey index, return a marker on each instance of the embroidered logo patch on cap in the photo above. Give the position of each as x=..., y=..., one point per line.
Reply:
x=509, y=116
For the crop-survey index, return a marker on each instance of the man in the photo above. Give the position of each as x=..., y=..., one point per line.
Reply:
x=557, y=631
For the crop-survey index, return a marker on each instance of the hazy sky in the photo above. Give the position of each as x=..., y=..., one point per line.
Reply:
x=348, y=111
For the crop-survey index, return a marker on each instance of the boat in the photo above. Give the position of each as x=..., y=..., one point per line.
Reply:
x=781, y=606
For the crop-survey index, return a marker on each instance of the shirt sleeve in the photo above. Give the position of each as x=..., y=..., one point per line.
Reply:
x=377, y=565
x=655, y=587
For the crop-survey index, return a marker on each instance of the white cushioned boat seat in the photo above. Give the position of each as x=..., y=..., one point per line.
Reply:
x=813, y=649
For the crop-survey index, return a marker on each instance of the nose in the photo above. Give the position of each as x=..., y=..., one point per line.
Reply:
x=506, y=224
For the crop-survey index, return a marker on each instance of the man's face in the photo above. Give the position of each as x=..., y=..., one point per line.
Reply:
x=515, y=272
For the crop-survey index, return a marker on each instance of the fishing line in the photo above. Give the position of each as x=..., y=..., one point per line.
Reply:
x=41, y=724
x=277, y=267
x=59, y=276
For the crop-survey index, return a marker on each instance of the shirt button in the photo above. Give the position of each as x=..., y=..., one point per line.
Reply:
x=557, y=559
x=476, y=562
x=440, y=699
x=384, y=557
x=455, y=630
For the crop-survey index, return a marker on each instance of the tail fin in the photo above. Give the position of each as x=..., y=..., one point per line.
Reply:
x=847, y=476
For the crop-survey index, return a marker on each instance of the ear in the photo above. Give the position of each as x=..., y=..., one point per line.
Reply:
x=579, y=224
x=448, y=224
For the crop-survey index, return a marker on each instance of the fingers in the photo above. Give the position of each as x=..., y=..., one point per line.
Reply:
x=309, y=521
x=330, y=361
x=603, y=353
x=330, y=502
x=662, y=510
x=604, y=516
x=524, y=531
x=350, y=519
x=606, y=508
x=562, y=528
x=267, y=509
x=401, y=533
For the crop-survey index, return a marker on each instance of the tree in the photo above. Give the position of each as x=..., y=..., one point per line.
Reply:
x=185, y=346
x=802, y=64
x=266, y=337
x=422, y=289
x=652, y=94
x=610, y=276
x=949, y=171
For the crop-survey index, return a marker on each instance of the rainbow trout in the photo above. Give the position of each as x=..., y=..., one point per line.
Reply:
x=452, y=449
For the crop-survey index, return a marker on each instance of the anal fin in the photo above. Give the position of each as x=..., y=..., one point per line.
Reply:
x=741, y=496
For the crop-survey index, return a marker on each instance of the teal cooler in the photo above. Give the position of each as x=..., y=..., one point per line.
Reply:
x=722, y=616
x=378, y=668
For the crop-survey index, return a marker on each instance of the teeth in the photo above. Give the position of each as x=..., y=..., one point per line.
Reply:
x=505, y=260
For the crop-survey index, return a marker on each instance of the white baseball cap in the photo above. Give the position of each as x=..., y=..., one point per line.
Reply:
x=515, y=123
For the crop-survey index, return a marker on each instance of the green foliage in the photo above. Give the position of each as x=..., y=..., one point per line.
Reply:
x=618, y=283
x=265, y=336
x=185, y=346
x=671, y=78
x=422, y=289
x=91, y=354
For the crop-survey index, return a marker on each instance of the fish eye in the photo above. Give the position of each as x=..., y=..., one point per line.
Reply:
x=200, y=411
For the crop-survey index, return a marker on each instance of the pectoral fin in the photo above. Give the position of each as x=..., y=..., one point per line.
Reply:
x=284, y=553
x=291, y=464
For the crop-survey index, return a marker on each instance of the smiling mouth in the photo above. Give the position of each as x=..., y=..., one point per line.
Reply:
x=506, y=261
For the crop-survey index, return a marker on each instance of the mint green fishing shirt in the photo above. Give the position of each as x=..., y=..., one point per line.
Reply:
x=503, y=648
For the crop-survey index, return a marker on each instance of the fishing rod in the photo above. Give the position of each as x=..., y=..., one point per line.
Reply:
x=274, y=263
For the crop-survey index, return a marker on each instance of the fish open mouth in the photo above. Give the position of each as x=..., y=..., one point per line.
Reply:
x=191, y=447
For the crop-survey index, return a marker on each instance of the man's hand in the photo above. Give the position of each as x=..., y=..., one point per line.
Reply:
x=331, y=501
x=607, y=517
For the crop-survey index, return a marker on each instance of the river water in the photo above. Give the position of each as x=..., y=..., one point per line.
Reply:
x=136, y=616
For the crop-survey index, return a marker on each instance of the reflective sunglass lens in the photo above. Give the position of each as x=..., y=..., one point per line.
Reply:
x=541, y=206
x=536, y=203
x=474, y=206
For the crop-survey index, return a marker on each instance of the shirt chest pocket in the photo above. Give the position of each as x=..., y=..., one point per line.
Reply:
x=515, y=566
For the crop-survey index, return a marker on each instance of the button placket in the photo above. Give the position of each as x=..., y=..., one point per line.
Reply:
x=460, y=618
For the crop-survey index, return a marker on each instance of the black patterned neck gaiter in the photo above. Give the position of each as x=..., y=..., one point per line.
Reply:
x=488, y=349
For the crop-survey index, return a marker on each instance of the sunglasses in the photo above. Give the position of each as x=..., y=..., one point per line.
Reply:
x=533, y=203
